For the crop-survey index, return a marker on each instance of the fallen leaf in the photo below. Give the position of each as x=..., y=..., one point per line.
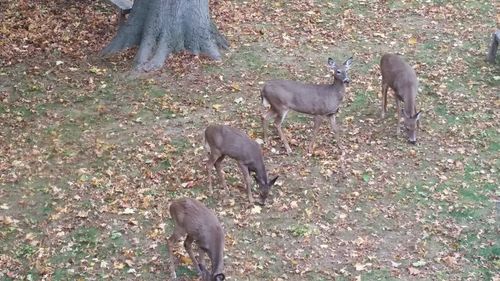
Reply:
x=83, y=214
x=256, y=209
x=413, y=271
x=128, y=211
x=419, y=263
x=185, y=260
x=217, y=107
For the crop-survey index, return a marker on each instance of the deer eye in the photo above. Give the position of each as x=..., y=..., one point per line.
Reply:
x=338, y=71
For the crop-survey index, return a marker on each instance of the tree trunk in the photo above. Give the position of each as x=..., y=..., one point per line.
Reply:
x=161, y=27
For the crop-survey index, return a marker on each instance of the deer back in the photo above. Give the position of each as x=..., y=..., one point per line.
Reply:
x=314, y=99
x=305, y=98
x=400, y=76
x=235, y=144
x=202, y=225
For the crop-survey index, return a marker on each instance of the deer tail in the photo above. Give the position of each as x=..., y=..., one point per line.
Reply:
x=263, y=99
x=205, y=143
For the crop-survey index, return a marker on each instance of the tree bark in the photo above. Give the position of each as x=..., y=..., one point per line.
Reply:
x=161, y=27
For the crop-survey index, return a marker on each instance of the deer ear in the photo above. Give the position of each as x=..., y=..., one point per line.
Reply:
x=219, y=277
x=331, y=63
x=348, y=63
x=417, y=116
x=273, y=180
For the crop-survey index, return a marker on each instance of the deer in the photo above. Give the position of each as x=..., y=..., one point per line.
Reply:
x=402, y=79
x=199, y=224
x=492, y=50
x=318, y=100
x=221, y=141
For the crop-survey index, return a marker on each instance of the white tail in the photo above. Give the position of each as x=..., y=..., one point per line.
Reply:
x=199, y=224
x=401, y=78
x=206, y=146
x=227, y=141
x=265, y=103
x=317, y=100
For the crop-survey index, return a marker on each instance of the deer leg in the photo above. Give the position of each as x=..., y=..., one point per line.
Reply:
x=333, y=123
x=212, y=159
x=247, y=179
x=385, y=87
x=317, y=124
x=201, y=257
x=176, y=236
x=220, y=175
x=277, y=123
x=265, y=120
x=398, y=110
x=187, y=245
x=418, y=121
x=335, y=128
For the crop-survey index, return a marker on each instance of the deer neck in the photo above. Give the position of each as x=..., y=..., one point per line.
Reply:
x=409, y=103
x=338, y=88
x=260, y=171
x=217, y=257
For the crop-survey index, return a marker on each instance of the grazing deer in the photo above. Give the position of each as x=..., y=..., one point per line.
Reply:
x=221, y=140
x=312, y=99
x=201, y=225
x=400, y=76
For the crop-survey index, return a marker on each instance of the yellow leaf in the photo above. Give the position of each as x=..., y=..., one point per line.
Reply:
x=185, y=260
x=217, y=107
x=412, y=41
x=118, y=265
x=236, y=86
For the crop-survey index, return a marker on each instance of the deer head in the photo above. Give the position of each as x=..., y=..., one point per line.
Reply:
x=264, y=187
x=340, y=72
x=410, y=124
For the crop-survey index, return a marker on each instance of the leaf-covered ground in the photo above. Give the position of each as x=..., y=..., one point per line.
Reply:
x=91, y=158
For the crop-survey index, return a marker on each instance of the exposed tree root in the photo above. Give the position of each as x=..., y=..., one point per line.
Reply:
x=161, y=27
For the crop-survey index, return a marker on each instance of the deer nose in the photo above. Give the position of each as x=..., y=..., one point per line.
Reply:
x=413, y=142
x=346, y=80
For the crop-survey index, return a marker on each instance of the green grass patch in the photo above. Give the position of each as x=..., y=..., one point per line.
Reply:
x=250, y=58
x=181, y=144
x=293, y=117
x=360, y=102
x=379, y=275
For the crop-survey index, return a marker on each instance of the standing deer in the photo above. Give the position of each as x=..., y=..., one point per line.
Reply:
x=317, y=100
x=401, y=78
x=201, y=225
x=221, y=140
